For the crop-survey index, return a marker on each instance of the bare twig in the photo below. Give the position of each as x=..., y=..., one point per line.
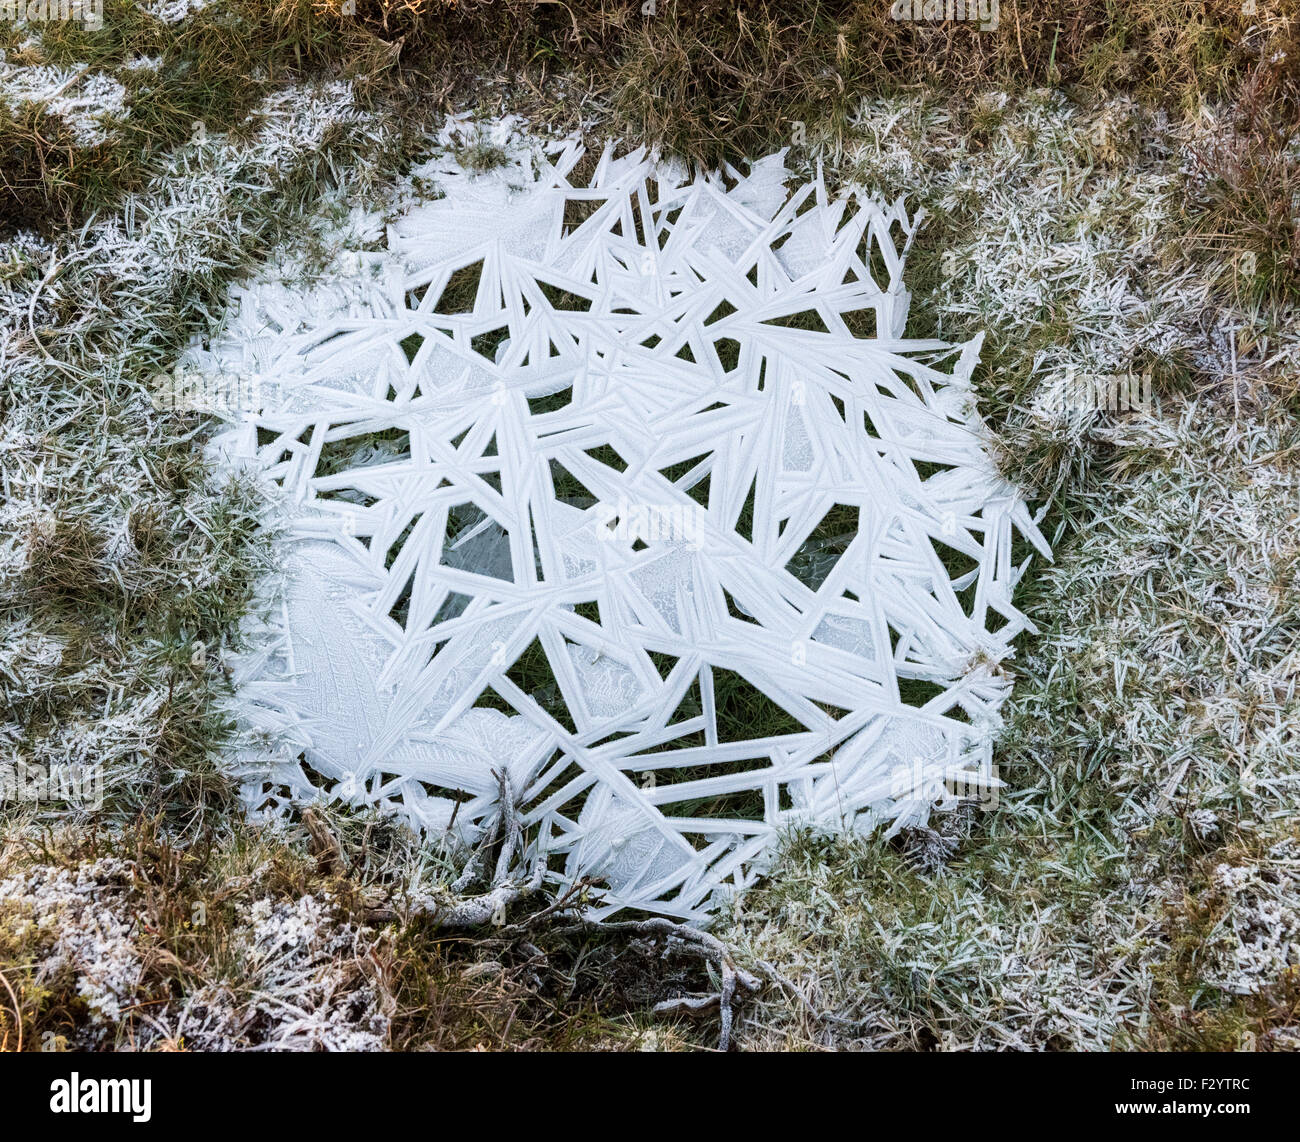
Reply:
x=458, y=912
x=692, y=941
x=324, y=844
x=455, y=912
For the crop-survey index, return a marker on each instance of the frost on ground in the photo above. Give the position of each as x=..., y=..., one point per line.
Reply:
x=1260, y=928
x=120, y=557
x=292, y=975
x=300, y=981
x=174, y=11
x=1136, y=884
x=88, y=102
x=69, y=915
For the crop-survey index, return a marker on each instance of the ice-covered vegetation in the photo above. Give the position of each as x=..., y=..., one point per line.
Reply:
x=1135, y=883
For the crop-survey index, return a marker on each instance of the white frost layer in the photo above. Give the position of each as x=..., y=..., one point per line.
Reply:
x=174, y=11
x=89, y=103
x=548, y=525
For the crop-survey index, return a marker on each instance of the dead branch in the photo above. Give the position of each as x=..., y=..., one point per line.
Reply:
x=454, y=911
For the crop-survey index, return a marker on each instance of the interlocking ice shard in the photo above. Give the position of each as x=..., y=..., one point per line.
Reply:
x=638, y=490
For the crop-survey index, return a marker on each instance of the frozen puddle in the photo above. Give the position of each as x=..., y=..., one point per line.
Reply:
x=636, y=491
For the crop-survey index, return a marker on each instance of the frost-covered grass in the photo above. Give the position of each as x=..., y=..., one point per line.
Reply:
x=1137, y=883
x=124, y=569
x=123, y=562
x=244, y=941
x=167, y=950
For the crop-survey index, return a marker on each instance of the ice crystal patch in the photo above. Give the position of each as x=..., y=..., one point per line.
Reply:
x=636, y=492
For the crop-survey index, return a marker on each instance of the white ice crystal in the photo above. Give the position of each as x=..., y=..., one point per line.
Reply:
x=637, y=493
x=1261, y=918
x=88, y=102
x=174, y=11
x=81, y=931
x=300, y=986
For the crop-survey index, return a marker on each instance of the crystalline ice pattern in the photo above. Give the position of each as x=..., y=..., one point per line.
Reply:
x=638, y=492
